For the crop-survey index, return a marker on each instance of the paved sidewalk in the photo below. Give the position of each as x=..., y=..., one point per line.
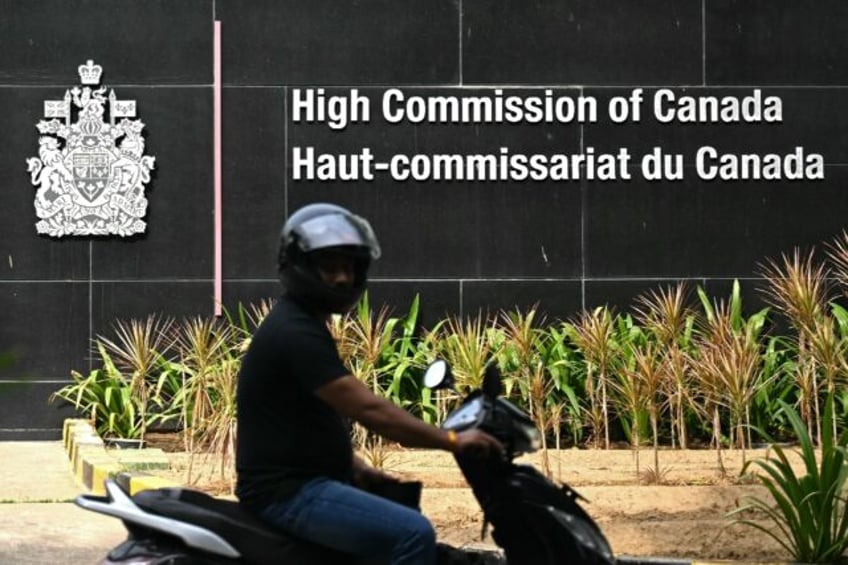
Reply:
x=39, y=524
x=36, y=471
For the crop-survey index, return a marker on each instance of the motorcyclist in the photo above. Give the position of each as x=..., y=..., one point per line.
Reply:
x=295, y=462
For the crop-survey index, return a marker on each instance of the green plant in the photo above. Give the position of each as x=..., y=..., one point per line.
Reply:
x=106, y=398
x=369, y=337
x=809, y=512
x=567, y=370
x=467, y=347
x=403, y=363
x=137, y=353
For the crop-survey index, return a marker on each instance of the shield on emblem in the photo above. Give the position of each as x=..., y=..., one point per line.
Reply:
x=91, y=173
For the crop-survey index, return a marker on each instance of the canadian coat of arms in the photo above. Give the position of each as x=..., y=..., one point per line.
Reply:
x=90, y=173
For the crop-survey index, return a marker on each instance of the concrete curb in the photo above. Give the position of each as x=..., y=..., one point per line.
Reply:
x=92, y=464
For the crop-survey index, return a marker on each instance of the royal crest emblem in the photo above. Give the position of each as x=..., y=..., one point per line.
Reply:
x=90, y=173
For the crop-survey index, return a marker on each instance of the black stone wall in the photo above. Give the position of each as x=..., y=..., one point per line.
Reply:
x=464, y=246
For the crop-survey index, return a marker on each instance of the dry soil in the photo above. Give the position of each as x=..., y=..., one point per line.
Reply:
x=679, y=512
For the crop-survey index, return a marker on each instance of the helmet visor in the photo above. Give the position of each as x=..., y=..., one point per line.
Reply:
x=335, y=230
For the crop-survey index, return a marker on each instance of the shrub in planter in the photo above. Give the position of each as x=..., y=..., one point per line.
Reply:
x=133, y=387
x=106, y=398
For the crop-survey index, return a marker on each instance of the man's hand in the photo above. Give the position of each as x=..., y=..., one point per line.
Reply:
x=477, y=443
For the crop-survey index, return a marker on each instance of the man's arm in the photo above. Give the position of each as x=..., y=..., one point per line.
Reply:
x=354, y=400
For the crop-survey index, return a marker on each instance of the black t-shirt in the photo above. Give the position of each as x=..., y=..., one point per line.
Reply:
x=288, y=436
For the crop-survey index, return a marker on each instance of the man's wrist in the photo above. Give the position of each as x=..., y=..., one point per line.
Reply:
x=453, y=441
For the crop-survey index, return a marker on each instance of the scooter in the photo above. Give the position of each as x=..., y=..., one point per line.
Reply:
x=535, y=522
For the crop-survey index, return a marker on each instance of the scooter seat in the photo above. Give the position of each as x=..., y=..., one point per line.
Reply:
x=257, y=542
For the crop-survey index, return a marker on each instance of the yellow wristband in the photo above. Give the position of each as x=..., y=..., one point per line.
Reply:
x=452, y=440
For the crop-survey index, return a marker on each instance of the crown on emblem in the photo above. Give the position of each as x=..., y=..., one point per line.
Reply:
x=90, y=73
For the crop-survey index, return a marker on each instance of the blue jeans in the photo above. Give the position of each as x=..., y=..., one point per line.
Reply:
x=350, y=520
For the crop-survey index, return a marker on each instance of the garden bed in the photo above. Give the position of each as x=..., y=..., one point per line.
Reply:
x=683, y=517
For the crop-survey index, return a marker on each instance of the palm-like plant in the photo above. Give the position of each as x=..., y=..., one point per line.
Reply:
x=204, y=345
x=837, y=252
x=829, y=347
x=728, y=363
x=631, y=391
x=524, y=347
x=467, y=347
x=217, y=436
x=798, y=286
x=666, y=315
x=520, y=351
x=137, y=352
x=366, y=339
x=831, y=342
x=246, y=320
x=593, y=333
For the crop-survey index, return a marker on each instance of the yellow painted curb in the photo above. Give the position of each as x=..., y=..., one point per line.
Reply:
x=69, y=427
x=139, y=483
x=99, y=474
x=91, y=464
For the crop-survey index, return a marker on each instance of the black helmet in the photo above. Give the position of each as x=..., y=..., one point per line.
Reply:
x=319, y=227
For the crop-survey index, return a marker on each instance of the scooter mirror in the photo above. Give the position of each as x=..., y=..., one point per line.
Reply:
x=438, y=375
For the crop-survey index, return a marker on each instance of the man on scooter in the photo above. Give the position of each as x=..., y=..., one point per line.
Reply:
x=295, y=461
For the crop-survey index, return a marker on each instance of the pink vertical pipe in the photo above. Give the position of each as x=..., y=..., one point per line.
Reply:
x=216, y=87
